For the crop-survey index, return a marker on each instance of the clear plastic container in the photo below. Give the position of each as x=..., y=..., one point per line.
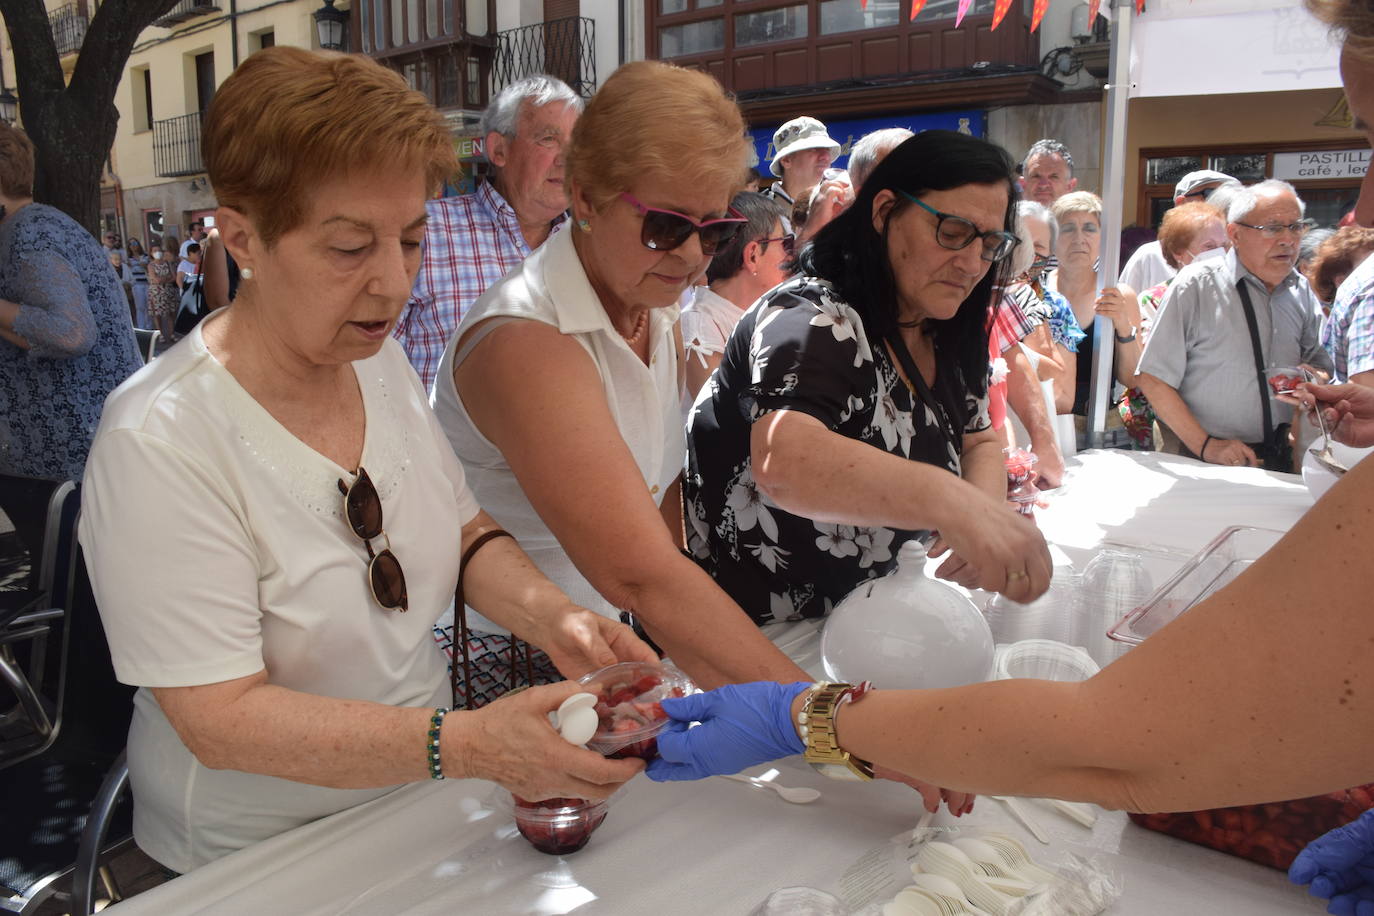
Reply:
x=1020, y=465
x=1285, y=379
x=1044, y=659
x=558, y=826
x=1213, y=568
x=628, y=696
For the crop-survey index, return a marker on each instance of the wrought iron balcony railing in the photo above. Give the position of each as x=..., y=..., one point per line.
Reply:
x=68, y=24
x=186, y=9
x=176, y=146
x=565, y=48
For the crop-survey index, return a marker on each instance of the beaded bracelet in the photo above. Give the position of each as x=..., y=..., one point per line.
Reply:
x=436, y=723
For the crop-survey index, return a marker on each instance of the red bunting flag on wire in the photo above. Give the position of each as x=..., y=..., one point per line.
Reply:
x=916, y=7
x=999, y=10
x=1093, y=7
x=1038, y=13
x=863, y=4
x=1139, y=7
x=963, y=8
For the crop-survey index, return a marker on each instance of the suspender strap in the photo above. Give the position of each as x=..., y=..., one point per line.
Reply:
x=1259, y=360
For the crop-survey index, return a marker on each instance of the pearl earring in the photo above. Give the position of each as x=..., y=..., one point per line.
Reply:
x=246, y=273
x=585, y=225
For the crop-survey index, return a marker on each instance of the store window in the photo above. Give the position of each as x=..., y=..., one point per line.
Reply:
x=846, y=16
x=691, y=38
x=1327, y=198
x=786, y=24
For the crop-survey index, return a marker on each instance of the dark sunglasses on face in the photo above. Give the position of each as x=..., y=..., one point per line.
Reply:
x=664, y=230
x=956, y=233
x=363, y=510
x=789, y=242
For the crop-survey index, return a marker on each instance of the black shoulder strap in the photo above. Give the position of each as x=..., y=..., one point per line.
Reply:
x=944, y=412
x=1259, y=359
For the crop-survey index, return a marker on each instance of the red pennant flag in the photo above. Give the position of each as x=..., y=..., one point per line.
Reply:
x=1093, y=7
x=863, y=4
x=916, y=7
x=1038, y=13
x=1139, y=7
x=963, y=8
x=1000, y=8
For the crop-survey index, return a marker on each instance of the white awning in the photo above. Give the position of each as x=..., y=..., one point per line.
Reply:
x=1211, y=47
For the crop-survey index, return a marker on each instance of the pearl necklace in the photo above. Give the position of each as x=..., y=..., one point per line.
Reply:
x=640, y=324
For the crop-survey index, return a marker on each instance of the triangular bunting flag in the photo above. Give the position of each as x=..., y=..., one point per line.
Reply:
x=916, y=7
x=1000, y=8
x=1139, y=7
x=863, y=4
x=963, y=8
x=1038, y=13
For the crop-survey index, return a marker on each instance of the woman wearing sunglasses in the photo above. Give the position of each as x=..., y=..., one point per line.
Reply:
x=561, y=389
x=310, y=515
x=744, y=268
x=849, y=413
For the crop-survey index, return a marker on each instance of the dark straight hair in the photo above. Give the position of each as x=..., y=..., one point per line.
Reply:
x=852, y=255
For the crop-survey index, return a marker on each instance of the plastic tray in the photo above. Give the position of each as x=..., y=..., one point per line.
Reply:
x=1227, y=556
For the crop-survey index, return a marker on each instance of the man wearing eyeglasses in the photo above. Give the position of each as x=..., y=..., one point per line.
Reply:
x=474, y=240
x=1146, y=267
x=1225, y=321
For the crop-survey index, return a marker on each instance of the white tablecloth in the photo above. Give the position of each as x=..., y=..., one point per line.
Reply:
x=717, y=847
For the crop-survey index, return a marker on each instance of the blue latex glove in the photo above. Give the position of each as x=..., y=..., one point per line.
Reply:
x=741, y=725
x=1340, y=867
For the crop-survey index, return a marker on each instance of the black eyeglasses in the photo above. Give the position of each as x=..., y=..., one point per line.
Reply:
x=664, y=230
x=956, y=233
x=363, y=509
x=789, y=242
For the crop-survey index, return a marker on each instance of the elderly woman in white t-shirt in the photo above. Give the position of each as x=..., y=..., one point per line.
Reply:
x=309, y=512
x=744, y=268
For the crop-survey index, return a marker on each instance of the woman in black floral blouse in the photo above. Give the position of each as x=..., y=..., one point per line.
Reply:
x=849, y=412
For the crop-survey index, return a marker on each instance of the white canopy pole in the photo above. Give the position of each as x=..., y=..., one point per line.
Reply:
x=1113, y=204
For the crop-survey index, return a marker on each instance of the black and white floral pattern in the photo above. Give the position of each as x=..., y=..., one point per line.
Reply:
x=801, y=347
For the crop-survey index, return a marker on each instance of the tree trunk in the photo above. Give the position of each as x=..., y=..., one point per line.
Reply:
x=72, y=126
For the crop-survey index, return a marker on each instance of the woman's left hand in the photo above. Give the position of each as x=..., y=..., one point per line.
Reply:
x=1123, y=310
x=580, y=641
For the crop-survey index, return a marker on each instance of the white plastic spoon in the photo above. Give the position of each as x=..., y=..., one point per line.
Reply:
x=797, y=795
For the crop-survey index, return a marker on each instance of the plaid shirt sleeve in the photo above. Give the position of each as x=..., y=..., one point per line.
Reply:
x=470, y=243
x=1009, y=323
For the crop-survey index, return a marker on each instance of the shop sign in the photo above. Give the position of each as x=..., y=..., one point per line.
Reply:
x=1318, y=164
x=468, y=147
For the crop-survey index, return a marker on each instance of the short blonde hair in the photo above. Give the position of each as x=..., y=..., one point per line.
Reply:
x=288, y=119
x=1352, y=20
x=1180, y=227
x=16, y=162
x=1077, y=202
x=657, y=119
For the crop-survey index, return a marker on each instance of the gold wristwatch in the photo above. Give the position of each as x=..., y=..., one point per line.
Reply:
x=817, y=720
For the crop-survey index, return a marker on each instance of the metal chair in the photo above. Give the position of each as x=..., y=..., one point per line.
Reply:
x=29, y=614
x=112, y=791
x=72, y=717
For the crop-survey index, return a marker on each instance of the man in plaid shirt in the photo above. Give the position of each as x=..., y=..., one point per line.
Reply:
x=474, y=240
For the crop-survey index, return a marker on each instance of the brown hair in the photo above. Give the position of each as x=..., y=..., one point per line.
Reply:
x=655, y=118
x=1337, y=257
x=1352, y=20
x=16, y=162
x=1181, y=226
x=288, y=119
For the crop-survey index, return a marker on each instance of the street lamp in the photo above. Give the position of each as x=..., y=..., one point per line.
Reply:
x=331, y=23
x=9, y=105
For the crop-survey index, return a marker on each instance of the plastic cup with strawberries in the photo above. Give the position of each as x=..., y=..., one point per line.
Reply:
x=1020, y=466
x=558, y=826
x=630, y=717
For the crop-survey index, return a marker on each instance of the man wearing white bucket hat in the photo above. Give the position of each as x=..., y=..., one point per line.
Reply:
x=803, y=150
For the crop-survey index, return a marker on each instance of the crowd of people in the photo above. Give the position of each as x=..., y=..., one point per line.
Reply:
x=621, y=380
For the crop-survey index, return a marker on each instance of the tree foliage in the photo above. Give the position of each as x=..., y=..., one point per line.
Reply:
x=72, y=124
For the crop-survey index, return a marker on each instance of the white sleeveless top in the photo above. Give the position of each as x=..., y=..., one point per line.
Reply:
x=551, y=286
